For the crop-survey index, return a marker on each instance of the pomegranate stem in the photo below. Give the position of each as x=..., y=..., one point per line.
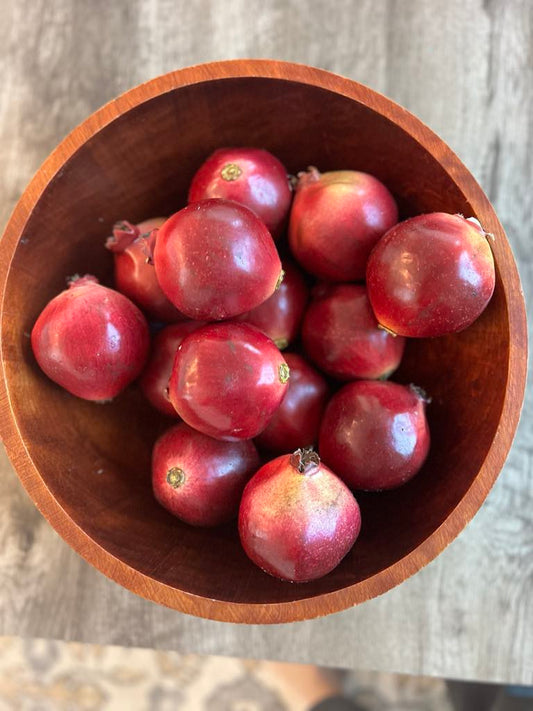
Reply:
x=305, y=460
x=124, y=233
x=175, y=477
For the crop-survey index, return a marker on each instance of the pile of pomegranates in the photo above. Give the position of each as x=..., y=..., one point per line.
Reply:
x=256, y=263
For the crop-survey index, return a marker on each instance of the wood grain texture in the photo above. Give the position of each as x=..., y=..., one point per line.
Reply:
x=62, y=60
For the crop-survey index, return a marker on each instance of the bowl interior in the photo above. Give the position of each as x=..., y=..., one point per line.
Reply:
x=96, y=459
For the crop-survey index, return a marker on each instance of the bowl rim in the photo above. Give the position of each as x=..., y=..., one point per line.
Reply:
x=326, y=603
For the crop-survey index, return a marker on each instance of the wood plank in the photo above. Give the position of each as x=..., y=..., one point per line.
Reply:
x=464, y=68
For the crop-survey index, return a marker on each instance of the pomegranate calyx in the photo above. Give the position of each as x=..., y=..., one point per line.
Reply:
x=305, y=460
x=420, y=393
x=284, y=372
x=76, y=280
x=230, y=172
x=175, y=477
x=307, y=177
x=148, y=244
x=293, y=181
x=124, y=233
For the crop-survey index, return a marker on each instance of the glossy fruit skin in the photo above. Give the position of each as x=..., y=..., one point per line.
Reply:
x=91, y=340
x=336, y=219
x=227, y=380
x=375, y=434
x=342, y=337
x=200, y=479
x=216, y=259
x=154, y=379
x=297, y=525
x=431, y=275
x=134, y=276
x=252, y=177
x=280, y=316
x=296, y=422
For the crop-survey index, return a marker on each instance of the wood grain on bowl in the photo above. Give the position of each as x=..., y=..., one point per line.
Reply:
x=87, y=466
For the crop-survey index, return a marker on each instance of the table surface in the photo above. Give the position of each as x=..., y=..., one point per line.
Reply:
x=465, y=67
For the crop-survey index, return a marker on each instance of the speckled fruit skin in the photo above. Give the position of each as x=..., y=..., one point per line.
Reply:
x=134, y=276
x=91, y=340
x=199, y=479
x=342, y=337
x=250, y=176
x=280, y=316
x=336, y=219
x=375, y=434
x=297, y=521
x=154, y=379
x=296, y=422
x=227, y=380
x=431, y=275
x=215, y=259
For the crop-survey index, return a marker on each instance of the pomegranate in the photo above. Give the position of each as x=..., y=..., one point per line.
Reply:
x=336, y=219
x=252, y=177
x=215, y=259
x=296, y=422
x=227, y=380
x=431, y=275
x=91, y=340
x=200, y=479
x=280, y=316
x=154, y=379
x=342, y=337
x=134, y=275
x=375, y=434
x=297, y=520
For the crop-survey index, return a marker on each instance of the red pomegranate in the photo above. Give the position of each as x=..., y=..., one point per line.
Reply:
x=134, y=274
x=431, y=275
x=91, y=340
x=199, y=479
x=375, y=434
x=227, y=380
x=336, y=219
x=215, y=259
x=252, y=177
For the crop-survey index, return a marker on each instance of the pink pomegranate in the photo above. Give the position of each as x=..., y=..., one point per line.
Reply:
x=297, y=520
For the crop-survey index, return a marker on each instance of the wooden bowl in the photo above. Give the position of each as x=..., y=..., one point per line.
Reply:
x=87, y=466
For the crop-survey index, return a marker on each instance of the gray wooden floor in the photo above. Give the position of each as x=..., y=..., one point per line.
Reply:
x=463, y=66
